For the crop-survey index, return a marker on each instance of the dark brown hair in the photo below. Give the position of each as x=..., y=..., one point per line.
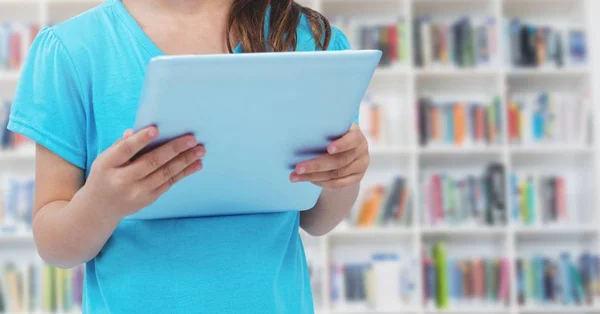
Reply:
x=247, y=18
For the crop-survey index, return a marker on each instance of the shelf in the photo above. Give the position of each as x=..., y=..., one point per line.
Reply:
x=474, y=310
x=550, y=231
x=398, y=86
x=559, y=309
x=392, y=71
x=470, y=310
x=367, y=311
x=442, y=151
x=458, y=73
x=362, y=309
x=389, y=150
x=464, y=231
x=550, y=149
x=547, y=72
x=24, y=154
x=18, y=238
x=9, y=75
x=372, y=232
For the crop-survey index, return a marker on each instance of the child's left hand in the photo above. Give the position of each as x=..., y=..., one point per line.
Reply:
x=344, y=165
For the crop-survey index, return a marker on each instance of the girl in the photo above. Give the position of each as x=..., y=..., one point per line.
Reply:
x=78, y=94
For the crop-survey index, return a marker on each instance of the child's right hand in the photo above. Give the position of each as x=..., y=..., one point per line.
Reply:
x=121, y=187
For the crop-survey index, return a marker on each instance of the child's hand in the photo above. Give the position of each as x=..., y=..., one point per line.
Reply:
x=344, y=165
x=123, y=187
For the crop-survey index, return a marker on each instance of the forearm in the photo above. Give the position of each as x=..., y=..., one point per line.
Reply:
x=68, y=233
x=331, y=208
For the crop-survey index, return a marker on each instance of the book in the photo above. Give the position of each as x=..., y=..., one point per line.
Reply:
x=9, y=140
x=548, y=118
x=16, y=203
x=369, y=283
x=429, y=281
x=379, y=119
x=459, y=123
x=543, y=280
x=390, y=37
x=15, y=40
x=578, y=46
x=381, y=205
x=534, y=45
x=34, y=287
x=463, y=42
x=450, y=281
x=544, y=199
x=439, y=256
x=464, y=198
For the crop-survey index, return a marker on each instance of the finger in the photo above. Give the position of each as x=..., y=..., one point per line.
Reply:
x=189, y=170
x=153, y=160
x=340, y=183
x=127, y=133
x=122, y=151
x=168, y=172
x=326, y=163
x=356, y=167
x=351, y=140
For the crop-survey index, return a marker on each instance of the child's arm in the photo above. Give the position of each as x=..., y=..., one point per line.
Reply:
x=72, y=220
x=339, y=173
x=331, y=208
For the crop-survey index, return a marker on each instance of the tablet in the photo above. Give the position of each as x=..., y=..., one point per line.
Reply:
x=258, y=115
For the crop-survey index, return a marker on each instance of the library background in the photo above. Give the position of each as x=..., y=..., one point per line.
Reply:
x=480, y=197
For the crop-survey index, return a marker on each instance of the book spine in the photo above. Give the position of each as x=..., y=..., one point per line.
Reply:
x=418, y=46
x=566, y=280
x=440, y=260
x=521, y=282
x=426, y=44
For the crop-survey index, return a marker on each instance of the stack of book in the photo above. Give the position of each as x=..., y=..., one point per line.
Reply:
x=543, y=280
x=43, y=288
x=460, y=43
x=391, y=37
x=460, y=123
x=385, y=206
x=540, y=199
x=465, y=198
x=16, y=203
x=544, y=46
x=454, y=282
x=392, y=40
x=548, y=118
x=35, y=288
x=15, y=40
x=385, y=282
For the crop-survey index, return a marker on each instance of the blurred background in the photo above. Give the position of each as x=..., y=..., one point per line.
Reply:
x=480, y=197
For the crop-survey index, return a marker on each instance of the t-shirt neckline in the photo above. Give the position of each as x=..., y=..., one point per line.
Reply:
x=139, y=33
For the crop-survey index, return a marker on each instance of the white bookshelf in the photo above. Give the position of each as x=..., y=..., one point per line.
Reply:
x=402, y=85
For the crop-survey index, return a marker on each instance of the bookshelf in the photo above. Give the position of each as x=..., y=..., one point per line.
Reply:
x=401, y=85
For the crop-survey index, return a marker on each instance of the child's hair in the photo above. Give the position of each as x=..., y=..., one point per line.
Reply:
x=247, y=19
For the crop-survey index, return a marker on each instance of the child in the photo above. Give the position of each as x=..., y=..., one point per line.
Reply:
x=77, y=96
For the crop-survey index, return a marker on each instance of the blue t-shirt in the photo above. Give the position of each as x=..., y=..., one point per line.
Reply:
x=78, y=92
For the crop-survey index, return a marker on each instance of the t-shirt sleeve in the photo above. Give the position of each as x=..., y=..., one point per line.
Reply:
x=48, y=105
x=339, y=42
